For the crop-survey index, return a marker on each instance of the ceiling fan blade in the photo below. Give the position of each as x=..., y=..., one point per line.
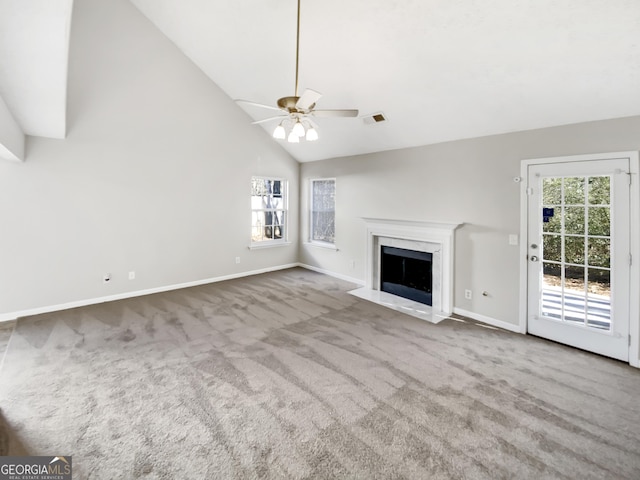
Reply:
x=308, y=99
x=269, y=119
x=334, y=113
x=261, y=105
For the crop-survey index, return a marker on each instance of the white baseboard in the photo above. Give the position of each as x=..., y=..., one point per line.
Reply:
x=475, y=316
x=488, y=320
x=121, y=296
x=5, y=317
x=333, y=274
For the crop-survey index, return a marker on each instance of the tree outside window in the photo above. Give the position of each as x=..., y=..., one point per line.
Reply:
x=268, y=210
x=323, y=211
x=576, y=242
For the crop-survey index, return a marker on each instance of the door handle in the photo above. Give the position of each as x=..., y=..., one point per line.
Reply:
x=534, y=258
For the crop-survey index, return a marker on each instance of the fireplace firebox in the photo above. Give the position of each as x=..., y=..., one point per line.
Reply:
x=406, y=273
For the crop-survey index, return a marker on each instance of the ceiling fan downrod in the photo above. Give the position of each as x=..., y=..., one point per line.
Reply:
x=297, y=47
x=289, y=103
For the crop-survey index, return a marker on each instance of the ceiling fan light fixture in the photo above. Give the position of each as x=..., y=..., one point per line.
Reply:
x=296, y=111
x=293, y=138
x=279, y=133
x=312, y=135
x=298, y=129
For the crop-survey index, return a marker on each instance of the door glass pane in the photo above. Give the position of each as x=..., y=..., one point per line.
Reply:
x=552, y=248
x=574, y=250
x=574, y=280
x=599, y=313
x=551, y=191
x=552, y=222
x=599, y=299
x=552, y=273
x=600, y=281
x=551, y=291
x=574, y=308
x=599, y=221
x=574, y=220
x=599, y=190
x=599, y=252
x=573, y=295
x=574, y=191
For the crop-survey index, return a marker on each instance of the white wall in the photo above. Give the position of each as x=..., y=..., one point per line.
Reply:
x=468, y=181
x=153, y=176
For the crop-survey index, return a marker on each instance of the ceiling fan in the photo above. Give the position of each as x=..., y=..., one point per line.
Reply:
x=297, y=111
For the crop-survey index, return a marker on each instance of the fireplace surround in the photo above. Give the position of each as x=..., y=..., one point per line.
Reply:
x=434, y=238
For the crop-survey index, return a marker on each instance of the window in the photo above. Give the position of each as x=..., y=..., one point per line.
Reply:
x=268, y=210
x=323, y=211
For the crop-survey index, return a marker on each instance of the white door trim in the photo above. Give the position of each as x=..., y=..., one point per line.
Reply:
x=634, y=231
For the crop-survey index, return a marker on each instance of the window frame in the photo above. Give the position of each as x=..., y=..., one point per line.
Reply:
x=284, y=191
x=322, y=243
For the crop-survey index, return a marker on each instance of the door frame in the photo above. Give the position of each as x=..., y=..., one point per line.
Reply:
x=634, y=240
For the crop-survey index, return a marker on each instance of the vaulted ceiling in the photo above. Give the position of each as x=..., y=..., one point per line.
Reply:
x=439, y=70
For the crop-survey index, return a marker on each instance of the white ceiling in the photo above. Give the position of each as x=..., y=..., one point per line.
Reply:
x=440, y=70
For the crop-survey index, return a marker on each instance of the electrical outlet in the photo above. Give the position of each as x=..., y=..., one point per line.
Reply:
x=467, y=294
x=106, y=278
x=237, y=259
x=132, y=275
x=352, y=264
x=513, y=239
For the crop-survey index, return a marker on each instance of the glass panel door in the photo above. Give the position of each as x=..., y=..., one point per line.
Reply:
x=578, y=252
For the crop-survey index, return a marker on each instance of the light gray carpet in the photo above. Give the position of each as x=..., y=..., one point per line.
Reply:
x=285, y=375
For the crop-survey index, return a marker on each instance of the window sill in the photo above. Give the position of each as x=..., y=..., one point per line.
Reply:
x=328, y=246
x=258, y=246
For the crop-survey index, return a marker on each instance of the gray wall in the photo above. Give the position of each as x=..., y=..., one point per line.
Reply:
x=468, y=181
x=154, y=175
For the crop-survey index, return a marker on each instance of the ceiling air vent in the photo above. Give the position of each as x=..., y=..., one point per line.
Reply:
x=374, y=118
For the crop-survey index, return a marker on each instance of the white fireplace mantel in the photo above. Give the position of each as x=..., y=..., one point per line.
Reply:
x=433, y=237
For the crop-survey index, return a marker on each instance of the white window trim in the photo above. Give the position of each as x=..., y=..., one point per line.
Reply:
x=268, y=244
x=284, y=241
x=318, y=243
x=327, y=245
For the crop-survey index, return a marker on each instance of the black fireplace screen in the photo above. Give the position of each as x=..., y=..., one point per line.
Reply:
x=406, y=273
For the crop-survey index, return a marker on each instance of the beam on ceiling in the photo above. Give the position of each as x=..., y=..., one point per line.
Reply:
x=11, y=136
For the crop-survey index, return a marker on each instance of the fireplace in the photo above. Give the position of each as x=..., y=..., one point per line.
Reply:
x=406, y=273
x=421, y=274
